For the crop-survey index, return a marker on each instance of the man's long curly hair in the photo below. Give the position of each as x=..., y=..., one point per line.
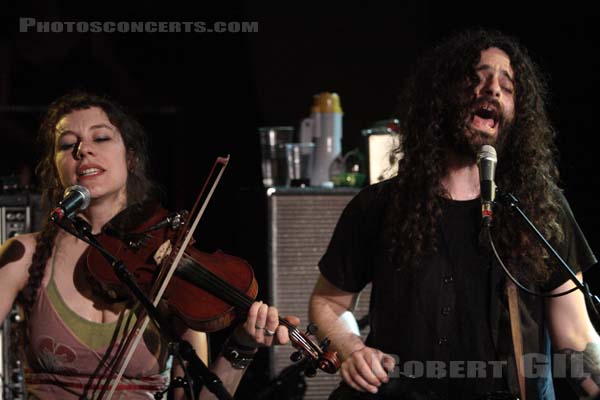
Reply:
x=139, y=186
x=433, y=112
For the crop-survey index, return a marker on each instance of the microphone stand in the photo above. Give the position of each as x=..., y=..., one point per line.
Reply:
x=197, y=367
x=508, y=199
x=290, y=378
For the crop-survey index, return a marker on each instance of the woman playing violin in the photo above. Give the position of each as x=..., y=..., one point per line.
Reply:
x=72, y=330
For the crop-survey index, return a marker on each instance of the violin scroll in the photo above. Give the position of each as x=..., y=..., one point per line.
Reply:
x=317, y=355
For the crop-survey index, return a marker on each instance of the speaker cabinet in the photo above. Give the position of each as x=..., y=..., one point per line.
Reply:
x=301, y=222
x=15, y=219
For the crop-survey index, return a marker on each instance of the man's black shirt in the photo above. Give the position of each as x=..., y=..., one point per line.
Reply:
x=448, y=316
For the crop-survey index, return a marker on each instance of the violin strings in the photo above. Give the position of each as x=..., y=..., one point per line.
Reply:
x=299, y=336
x=203, y=274
x=208, y=280
x=237, y=298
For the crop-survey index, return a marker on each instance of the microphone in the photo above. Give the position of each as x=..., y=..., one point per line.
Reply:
x=76, y=198
x=486, y=161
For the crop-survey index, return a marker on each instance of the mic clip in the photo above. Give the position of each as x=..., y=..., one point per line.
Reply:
x=507, y=199
x=487, y=214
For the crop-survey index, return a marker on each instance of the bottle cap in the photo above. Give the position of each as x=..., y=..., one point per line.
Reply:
x=329, y=102
x=316, y=107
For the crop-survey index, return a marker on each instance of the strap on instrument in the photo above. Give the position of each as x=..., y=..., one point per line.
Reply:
x=515, y=329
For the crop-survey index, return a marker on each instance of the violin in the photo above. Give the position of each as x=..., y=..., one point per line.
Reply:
x=207, y=291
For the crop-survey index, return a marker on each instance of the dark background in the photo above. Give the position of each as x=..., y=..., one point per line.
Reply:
x=203, y=95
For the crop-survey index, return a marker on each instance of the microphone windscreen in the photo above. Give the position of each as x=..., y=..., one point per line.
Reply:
x=487, y=151
x=83, y=192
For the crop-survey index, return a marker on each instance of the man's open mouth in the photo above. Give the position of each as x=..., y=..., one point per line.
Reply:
x=486, y=114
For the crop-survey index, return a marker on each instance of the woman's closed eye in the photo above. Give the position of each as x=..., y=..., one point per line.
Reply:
x=71, y=145
x=67, y=146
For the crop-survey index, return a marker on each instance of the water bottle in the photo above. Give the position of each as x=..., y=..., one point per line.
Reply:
x=328, y=137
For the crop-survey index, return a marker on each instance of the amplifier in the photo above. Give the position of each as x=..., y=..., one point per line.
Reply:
x=301, y=222
x=15, y=219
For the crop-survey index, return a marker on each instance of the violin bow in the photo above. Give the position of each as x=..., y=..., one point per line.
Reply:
x=217, y=169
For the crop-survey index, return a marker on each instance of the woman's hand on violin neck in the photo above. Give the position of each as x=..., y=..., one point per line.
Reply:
x=262, y=328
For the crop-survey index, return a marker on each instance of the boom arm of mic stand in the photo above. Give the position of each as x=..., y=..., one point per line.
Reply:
x=508, y=199
x=210, y=379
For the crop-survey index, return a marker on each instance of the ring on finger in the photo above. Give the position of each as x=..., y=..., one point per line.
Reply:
x=269, y=332
x=259, y=327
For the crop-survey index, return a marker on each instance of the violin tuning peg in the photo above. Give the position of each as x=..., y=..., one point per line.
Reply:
x=311, y=329
x=325, y=343
x=296, y=356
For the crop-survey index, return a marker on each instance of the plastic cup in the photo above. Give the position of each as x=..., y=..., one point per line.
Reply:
x=272, y=145
x=299, y=157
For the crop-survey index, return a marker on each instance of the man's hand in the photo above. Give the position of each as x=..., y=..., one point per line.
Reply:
x=367, y=368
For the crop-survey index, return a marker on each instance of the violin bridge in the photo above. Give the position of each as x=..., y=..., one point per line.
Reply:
x=163, y=251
